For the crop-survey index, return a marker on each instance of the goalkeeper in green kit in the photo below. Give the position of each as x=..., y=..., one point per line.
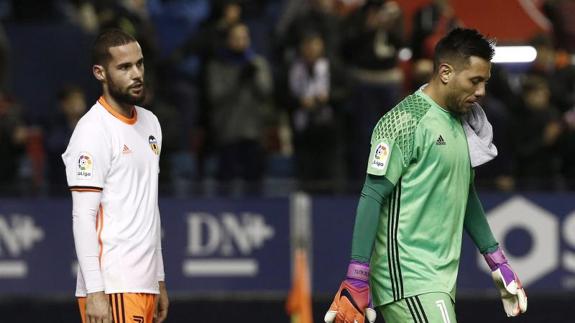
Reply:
x=419, y=196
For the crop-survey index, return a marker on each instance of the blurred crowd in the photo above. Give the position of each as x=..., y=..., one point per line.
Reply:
x=265, y=97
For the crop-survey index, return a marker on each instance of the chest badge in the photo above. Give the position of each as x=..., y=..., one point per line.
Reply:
x=154, y=145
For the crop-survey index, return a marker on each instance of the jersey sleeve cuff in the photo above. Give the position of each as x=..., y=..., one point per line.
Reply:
x=85, y=188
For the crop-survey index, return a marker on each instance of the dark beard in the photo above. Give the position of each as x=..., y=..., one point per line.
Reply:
x=124, y=97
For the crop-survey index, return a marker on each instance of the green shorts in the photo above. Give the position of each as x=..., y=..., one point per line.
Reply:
x=424, y=308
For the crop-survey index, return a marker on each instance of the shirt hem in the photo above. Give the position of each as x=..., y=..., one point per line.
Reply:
x=123, y=291
x=417, y=293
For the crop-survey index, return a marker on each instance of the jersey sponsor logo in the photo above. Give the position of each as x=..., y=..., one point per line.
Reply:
x=154, y=144
x=440, y=141
x=85, y=165
x=381, y=156
x=126, y=150
x=138, y=319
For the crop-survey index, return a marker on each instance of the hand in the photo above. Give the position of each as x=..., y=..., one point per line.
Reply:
x=98, y=308
x=552, y=132
x=352, y=303
x=162, y=304
x=512, y=294
x=307, y=102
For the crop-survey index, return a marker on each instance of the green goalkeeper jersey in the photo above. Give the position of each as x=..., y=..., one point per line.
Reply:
x=421, y=149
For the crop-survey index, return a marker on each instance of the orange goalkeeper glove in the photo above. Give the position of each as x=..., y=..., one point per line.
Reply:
x=352, y=303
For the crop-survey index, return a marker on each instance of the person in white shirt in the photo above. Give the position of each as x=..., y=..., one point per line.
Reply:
x=112, y=166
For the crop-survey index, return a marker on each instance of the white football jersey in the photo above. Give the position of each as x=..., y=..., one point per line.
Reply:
x=120, y=157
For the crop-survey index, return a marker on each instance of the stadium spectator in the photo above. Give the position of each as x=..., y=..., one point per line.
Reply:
x=189, y=92
x=560, y=14
x=13, y=133
x=537, y=130
x=316, y=140
x=212, y=32
x=319, y=18
x=71, y=106
x=82, y=13
x=239, y=87
x=372, y=39
x=431, y=22
x=558, y=73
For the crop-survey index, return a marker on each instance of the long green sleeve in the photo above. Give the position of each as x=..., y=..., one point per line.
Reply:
x=476, y=225
x=374, y=192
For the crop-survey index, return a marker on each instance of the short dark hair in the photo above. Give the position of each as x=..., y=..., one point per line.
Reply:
x=67, y=90
x=106, y=39
x=460, y=44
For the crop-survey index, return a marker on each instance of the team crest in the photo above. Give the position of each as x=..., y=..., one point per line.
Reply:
x=85, y=165
x=154, y=145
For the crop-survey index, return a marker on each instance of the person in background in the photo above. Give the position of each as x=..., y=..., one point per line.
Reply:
x=71, y=106
x=537, y=131
x=314, y=123
x=238, y=88
x=372, y=38
x=13, y=135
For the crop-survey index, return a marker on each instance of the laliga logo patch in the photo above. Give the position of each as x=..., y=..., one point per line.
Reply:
x=154, y=145
x=85, y=165
x=381, y=156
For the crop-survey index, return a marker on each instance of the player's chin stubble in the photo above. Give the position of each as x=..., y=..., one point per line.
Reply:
x=125, y=96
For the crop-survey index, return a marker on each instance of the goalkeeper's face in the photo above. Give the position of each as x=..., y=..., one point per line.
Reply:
x=125, y=74
x=467, y=86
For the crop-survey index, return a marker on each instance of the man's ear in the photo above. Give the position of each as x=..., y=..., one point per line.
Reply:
x=446, y=72
x=99, y=73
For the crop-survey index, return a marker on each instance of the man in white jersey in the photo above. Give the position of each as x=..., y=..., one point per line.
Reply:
x=112, y=166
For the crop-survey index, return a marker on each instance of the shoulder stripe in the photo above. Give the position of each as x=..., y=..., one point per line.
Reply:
x=85, y=188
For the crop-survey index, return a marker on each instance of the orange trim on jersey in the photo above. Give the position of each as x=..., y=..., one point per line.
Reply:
x=85, y=190
x=116, y=114
x=100, y=221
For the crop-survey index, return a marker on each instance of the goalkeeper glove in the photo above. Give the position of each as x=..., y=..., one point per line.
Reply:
x=352, y=303
x=512, y=294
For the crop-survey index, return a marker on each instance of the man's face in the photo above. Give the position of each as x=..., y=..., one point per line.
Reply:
x=125, y=74
x=239, y=38
x=468, y=85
